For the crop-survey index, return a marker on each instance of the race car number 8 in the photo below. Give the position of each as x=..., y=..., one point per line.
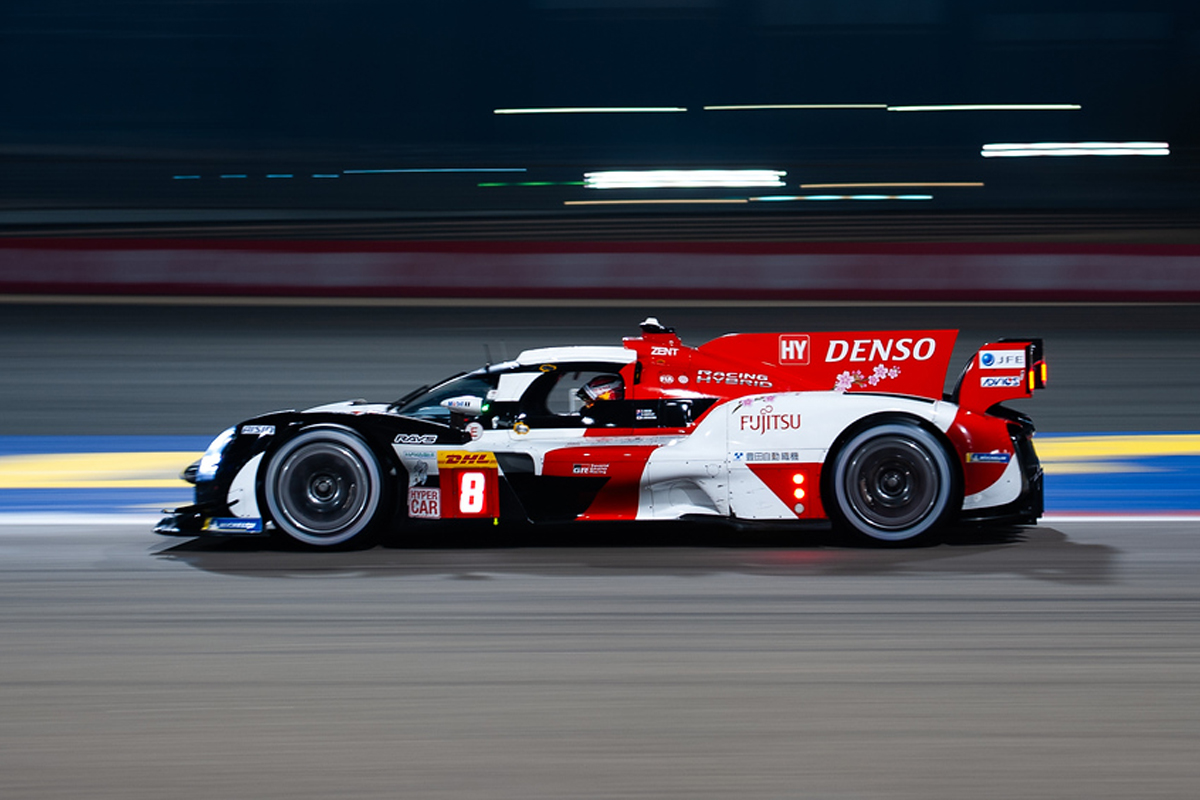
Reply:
x=472, y=492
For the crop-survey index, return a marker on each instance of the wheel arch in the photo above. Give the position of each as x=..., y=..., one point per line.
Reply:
x=393, y=476
x=885, y=418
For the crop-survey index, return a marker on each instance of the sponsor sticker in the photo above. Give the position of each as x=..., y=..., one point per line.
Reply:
x=767, y=458
x=416, y=438
x=418, y=473
x=589, y=469
x=645, y=414
x=995, y=457
x=258, y=430
x=1001, y=381
x=657, y=350
x=793, y=349
x=475, y=431
x=901, y=349
x=765, y=422
x=732, y=378
x=450, y=459
x=1002, y=359
x=424, y=503
x=233, y=525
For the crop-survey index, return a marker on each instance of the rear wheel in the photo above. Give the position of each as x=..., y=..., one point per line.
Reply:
x=324, y=487
x=893, y=482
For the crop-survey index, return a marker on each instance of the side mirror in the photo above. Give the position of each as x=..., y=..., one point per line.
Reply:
x=467, y=405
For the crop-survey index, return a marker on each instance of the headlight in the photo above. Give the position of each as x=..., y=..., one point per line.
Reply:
x=211, y=459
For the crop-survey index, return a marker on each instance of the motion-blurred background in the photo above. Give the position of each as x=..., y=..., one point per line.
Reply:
x=881, y=118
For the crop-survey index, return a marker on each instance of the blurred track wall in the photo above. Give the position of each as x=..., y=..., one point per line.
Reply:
x=570, y=270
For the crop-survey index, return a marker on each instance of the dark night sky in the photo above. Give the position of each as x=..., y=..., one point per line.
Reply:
x=361, y=83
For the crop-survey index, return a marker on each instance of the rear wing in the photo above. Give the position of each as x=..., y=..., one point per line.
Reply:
x=906, y=362
x=1007, y=369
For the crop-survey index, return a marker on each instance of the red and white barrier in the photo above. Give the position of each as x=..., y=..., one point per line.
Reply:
x=581, y=270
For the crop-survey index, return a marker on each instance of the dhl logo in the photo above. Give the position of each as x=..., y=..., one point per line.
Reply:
x=462, y=458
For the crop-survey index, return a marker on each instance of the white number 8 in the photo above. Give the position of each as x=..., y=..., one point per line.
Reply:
x=472, y=487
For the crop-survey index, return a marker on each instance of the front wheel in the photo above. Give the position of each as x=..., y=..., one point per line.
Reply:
x=324, y=487
x=893, y=482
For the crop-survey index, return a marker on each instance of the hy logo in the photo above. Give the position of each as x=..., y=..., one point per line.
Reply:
x=793, y=350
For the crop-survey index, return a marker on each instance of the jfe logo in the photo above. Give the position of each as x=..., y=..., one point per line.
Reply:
x=793, y=350
x=1002, y=359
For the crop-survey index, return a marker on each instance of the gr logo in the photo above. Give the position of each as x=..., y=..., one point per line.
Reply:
x=793, y=350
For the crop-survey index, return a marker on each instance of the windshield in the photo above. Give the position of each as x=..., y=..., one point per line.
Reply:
x=427, y=405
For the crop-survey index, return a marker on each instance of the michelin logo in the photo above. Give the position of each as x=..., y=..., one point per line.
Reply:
x=234, y=525
x=994, y=457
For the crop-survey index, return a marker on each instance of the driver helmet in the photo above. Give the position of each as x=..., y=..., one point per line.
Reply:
x=602, y=387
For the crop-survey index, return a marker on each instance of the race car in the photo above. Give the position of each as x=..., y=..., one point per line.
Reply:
x=853, y=428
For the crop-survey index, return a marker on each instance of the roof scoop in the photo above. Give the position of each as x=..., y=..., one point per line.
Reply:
x=652, y=325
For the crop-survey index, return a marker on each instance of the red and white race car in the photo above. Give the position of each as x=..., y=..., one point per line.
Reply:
x=852, y=427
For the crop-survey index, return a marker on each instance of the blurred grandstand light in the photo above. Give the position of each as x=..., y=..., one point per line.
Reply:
x=801, y=106
x=593, y=110
x=680, y=201
x=491, y=184
x=431, y=169
x=922, y=184
x=779, y=198
x=886, y=107
x=993, y=107
x=682, y=178
x=1075, y=149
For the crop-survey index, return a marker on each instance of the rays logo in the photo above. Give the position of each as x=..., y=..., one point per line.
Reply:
x=416, y=438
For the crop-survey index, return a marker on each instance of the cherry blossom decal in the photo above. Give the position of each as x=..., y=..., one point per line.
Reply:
x=848, y=380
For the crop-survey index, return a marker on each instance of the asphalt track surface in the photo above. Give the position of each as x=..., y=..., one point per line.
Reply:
x=1048, y=662
x=1061, y=661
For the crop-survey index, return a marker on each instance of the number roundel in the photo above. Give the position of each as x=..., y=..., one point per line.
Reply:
x=472, y=492
x=469, y=484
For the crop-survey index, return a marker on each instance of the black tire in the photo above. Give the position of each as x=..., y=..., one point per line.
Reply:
x=893, y=482
x=324, y=488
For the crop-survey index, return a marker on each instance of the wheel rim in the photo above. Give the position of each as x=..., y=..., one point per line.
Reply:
x=323, y=489
x=892, y=484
